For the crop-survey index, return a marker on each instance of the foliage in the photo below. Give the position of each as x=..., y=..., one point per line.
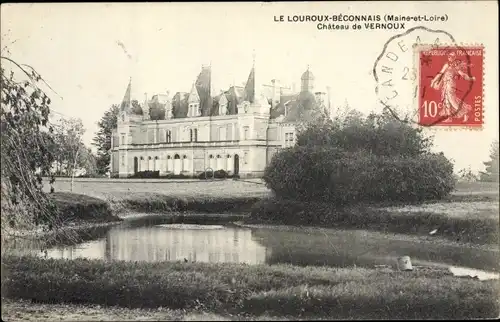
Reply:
x=146, y=174
x=357, y=159
x=26, y=137
x=136, y=107
x=70, y=151
x=218, y=174
x=466, y=175
x=491, y=173
x=153, y=202
x=378, y=134
x=277, y=289
x=157, y=111
x=328, y=174
x=102, y=139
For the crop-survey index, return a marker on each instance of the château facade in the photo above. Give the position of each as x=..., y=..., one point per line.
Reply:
x=238, y=130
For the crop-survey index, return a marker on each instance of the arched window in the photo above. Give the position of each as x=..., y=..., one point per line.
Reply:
x=177, y=156
x=184, y=157
x=156, y=158
x=149, y=158
x=211, y=156
x=229, y=156
x=142, y=158
x=168, y=157
x=218, y=156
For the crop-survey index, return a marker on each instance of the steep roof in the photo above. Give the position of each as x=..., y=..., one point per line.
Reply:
x=307, y=75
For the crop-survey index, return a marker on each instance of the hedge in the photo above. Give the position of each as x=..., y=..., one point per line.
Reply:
x=330, y=174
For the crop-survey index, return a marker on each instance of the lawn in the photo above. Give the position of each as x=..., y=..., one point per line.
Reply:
x=115, y=188
x=277, y=290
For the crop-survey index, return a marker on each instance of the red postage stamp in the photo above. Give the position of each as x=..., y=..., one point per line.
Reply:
x=450, y=91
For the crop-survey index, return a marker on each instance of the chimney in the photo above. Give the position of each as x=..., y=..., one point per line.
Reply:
x=328, y=89
x=276, y=92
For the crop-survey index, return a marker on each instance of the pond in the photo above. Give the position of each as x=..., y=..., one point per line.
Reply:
x=215, y=241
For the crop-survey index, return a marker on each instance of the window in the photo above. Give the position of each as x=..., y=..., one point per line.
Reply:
x=191, y=135
x=169, y=136
x=195, y=135
x=123, y=160
x=123, y=117
x=199, y=109
x=245, y=158
x=289, y=139
x=123, y=138
x=222, y=134
x=245, y=132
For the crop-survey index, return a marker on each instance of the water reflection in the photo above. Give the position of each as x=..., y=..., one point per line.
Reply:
x=151, y=244
x=229, y=244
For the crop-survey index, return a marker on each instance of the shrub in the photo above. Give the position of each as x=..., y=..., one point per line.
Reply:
x=176, y=176
x=329, y=174
x=220, y=174
x=148, y=174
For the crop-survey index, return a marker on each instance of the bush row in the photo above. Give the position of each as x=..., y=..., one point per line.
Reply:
x=164, y=203
x=319, y=173
x=278, y=290
x=218, y=174
x=478, y=230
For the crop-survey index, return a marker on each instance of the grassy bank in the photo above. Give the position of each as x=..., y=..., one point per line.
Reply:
x=155, y=202
x=23, y=310
x=475, y=226
x=78, y=208
x=255, y=290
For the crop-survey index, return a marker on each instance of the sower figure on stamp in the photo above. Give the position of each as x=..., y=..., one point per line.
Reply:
x=445, y=82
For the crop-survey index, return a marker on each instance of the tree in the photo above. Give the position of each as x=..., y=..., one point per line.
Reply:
x=491, y=172
x=68, y=137
x=467, y=175
x=102, y=139
x=355, y=158
x=88, y=162
x=25, y=140
x=380, y=134
x=157, y=111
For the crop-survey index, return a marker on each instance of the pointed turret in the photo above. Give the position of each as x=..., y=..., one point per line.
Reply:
x=253, y=91
x=145, y=108
x=127, y=102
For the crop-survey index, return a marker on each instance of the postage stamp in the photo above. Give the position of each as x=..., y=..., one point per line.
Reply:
x=450, y=85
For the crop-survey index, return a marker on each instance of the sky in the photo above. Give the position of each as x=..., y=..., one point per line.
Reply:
x=87, y=52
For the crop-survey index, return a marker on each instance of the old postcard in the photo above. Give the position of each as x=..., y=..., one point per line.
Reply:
x=250, y=161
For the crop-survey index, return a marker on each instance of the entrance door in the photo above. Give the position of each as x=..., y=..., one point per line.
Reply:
x=136, y=165
x=236, y=164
